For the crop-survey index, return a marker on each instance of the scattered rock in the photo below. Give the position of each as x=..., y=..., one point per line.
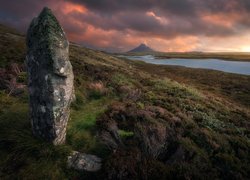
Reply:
x=84, y=162
x=50, y=77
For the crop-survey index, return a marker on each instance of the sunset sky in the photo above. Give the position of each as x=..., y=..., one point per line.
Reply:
x=164, y=25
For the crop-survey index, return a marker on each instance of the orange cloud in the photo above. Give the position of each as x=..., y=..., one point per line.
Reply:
x=69, y=7
x=227, y=20
x=162, y=20
x=181, y=26
x=178, y=44
x=80, y=31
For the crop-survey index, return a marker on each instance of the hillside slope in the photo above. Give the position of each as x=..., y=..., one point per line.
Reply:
x=143, y=124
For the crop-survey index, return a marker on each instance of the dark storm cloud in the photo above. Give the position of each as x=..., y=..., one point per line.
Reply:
x=114, y=6
x=166, y=7
x=184, y=16
x=164, y=19
x=19, y=13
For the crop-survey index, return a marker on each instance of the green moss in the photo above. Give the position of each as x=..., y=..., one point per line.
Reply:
x=125, y=134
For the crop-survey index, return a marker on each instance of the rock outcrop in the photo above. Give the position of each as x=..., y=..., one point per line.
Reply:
x=50, y=77
x=84, y=162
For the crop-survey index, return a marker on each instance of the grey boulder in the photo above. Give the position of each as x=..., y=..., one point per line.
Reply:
x=84, y=162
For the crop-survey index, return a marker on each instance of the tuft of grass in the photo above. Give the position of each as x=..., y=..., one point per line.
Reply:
x=80, y=99
x=125, y=134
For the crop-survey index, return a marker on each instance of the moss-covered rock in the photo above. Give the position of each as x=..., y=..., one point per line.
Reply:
x=50, y=77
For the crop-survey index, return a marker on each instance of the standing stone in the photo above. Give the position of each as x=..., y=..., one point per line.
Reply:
x=50, y=78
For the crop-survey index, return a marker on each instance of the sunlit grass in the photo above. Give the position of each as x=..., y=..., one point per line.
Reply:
x=81, y=127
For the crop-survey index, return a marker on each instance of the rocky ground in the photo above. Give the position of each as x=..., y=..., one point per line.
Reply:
x=142, y=123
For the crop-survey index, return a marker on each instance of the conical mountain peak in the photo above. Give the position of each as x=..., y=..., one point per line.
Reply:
x=142, y=48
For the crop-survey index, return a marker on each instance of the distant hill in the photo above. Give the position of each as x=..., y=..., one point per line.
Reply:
x=142, y=48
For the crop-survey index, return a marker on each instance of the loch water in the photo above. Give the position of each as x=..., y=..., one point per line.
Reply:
x=237, y=67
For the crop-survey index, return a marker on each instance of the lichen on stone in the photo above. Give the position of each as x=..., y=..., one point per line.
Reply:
x=50, y=77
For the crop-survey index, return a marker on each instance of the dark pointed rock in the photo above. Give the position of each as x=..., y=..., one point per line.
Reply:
x=50, y=77
x=142, y=48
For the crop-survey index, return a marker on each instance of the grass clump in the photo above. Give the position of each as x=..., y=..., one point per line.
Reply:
x=125, y=134
x=79, y=101
x=119, y=79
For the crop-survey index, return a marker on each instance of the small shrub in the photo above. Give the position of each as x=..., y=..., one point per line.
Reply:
x=96, y=90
